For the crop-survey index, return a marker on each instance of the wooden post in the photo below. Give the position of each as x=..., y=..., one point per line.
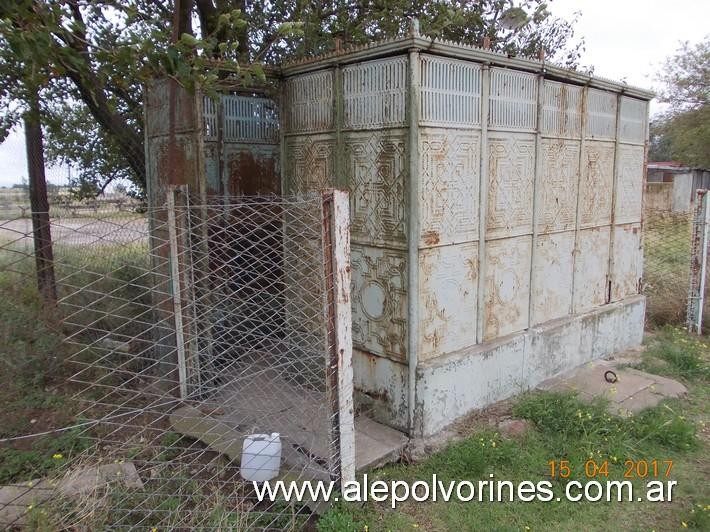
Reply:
x=339, y=372
x=44, y=256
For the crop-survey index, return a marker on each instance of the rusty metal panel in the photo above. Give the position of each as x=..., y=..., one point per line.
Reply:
x=250, y=169
x=448, y=295
x=310, y=163
x=629, y=183
x=376, y=170
x=507, y=286
x=172, y=165
x=379, y=301
x=628, y=261
x=596, y=183
x=513, y=100
x=450, y=92
x=601, y=114
x=449, y=169
x=591, y=268
x=561, y=110
x=552, y=276
x=558, y=183
x=374, y=94
x=511, y=169
x=309, y=103
x=633, y=117
x=159, y=112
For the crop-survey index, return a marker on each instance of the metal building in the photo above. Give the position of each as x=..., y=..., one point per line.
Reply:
x=496, y=208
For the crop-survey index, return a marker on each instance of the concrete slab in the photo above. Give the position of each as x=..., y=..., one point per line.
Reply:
x=633, y=391
x=376, y=444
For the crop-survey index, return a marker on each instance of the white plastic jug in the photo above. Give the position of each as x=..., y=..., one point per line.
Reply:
x=261, y=457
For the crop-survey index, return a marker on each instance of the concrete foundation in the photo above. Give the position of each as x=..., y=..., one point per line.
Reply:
x=453, y=385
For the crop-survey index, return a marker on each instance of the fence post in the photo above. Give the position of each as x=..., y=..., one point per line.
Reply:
x=336, y=249
x=700, y=238
x=177, y=291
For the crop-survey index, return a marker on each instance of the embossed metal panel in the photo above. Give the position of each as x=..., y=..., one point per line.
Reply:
x=511, y=170
x=379, y=301
x=250, y=169
x=629, y=184
x=309, y=104
x=513, y=99
x=450, y=92
x=596, y=185
x=553, y=270
x=601, y=114
x=210, y=117
x=374, y=93
x=561, y=110
x=507, y=286
x=376, y=166
x=448, y=289
x=309, y=163
x=591, y=268
x=633, y=116
x=558, y=183
x=628, y=261
x=449, y=169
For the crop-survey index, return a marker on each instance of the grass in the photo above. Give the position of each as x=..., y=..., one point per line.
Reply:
x=567, y=429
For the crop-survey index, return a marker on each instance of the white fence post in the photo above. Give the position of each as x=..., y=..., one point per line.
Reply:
x=700, y=239
x=336, y=240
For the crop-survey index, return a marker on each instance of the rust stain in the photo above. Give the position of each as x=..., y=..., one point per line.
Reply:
x=249, y=175
x=431, y=238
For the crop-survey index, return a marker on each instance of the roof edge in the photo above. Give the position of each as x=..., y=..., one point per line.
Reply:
x=451, y=49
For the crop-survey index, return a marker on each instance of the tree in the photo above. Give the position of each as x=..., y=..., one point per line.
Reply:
x=683, y=131
x=95, y=56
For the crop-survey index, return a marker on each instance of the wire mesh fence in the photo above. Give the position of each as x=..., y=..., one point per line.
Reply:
x=177, y=334
x=666, y=265
x=674, y=276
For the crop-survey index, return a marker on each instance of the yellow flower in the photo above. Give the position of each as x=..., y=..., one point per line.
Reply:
x=493, y=444
x=684, y=524
x=57, y=456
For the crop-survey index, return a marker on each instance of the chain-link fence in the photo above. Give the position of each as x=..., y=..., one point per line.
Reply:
x=666, y=265
x=175, y=336
x=673, y=264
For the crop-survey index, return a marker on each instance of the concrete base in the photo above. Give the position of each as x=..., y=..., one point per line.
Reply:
x=453, y=385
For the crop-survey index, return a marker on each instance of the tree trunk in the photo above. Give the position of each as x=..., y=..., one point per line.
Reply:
x=44, y=256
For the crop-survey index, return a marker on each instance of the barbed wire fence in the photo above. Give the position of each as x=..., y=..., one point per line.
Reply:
x=676, y=264
x=179, y=332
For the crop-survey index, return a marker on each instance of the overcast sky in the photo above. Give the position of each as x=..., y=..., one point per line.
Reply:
x=625, y=40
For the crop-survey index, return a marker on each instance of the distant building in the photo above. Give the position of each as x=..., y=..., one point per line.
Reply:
x=671, y=186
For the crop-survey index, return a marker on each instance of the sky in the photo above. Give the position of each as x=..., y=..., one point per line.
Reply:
x=625, y=40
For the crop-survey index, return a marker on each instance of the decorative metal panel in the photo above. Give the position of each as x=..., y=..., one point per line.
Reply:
x=309, y=102
x=250, y=119
x=448, y=288
x=513, y=99
x=561, y=110
x=553, y=270
x=634, y=116
x=449, y=171
x=591, y=268
x=450, y=92
x=601, y=114
x=511, y=169
x=250, y=169
x=629, y=184
x=210, y=117
x=507, y=286
x=374, y=93
x=596, y=185
x=557, y=194
x=309, y=163
x=379, y=301
x=376, y=167
x=628, y=260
